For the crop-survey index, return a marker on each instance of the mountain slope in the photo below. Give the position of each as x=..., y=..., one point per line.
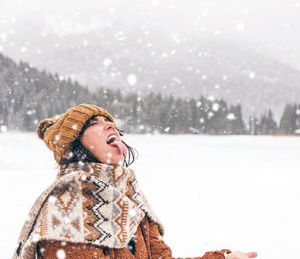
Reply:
x=145, y=59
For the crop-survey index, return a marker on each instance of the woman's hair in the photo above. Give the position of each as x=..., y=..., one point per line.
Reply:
x=76, y=152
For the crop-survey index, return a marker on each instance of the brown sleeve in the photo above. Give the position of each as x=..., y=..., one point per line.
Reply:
x=160, y=250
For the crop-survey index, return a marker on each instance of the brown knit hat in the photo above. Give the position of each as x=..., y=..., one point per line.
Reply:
x=58, y=132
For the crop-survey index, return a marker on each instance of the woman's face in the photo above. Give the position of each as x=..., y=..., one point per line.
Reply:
x=103, y=140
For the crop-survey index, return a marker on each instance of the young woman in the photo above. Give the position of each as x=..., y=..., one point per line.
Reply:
x=95, y=208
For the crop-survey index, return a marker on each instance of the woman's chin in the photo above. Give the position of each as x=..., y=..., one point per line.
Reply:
x=120, y=163
x=114, y=161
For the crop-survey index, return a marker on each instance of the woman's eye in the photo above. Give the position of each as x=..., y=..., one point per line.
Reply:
x=93, y=124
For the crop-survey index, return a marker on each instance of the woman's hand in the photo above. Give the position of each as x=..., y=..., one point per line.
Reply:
x=240, y=255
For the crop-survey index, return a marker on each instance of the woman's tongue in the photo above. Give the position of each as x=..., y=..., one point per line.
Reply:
x=120, y=145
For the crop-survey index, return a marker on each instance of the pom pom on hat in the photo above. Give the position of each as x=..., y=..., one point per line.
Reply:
x=44, y=125
x=58, y=133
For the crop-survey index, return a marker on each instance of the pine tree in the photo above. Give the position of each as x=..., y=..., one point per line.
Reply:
x=288, y=120
x=268, y=125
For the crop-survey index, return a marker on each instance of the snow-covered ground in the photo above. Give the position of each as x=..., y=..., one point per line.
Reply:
x=211, y=192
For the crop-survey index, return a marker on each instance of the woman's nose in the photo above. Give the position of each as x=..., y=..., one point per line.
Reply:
x=109, y=125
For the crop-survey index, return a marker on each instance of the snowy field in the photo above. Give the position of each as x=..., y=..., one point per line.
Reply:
x=211, y=192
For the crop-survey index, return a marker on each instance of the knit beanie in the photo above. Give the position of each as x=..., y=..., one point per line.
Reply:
x=59, y=131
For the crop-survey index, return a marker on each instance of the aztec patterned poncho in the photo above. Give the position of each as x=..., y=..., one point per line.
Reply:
x=90, y=203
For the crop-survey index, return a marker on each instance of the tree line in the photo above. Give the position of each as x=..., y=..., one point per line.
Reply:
x=28, y=95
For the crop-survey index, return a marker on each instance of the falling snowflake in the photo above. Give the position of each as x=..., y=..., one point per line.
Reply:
x=131, y=79
x=166, y=129
x=67, y=220
x=210, y=115
x=230, y=116
x=251, y=75
x=164, y=55
x=36, y=237
x=215, y=107
x=177, y=80
x=240, y=26
x=23, y=49
x=120, y=36
x=112, y=10
x=176, y=38
x=60, y=254
x=107, y=62
x=30, y=112
x=85, y=43
x=80, y=163
x=132, y=213
x=3, y=37
x=70, y=155
x=204, y=12
x=211, y=98
x=52, y=199
x=83, y=178
x=120, y=162
x=217, y=32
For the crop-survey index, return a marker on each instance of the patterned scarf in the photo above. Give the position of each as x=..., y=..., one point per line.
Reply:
x=91, y=203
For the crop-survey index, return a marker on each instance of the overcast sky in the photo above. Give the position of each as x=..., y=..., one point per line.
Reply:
x=273, y=25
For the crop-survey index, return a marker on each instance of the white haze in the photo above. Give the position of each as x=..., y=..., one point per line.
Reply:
x=270, y=25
